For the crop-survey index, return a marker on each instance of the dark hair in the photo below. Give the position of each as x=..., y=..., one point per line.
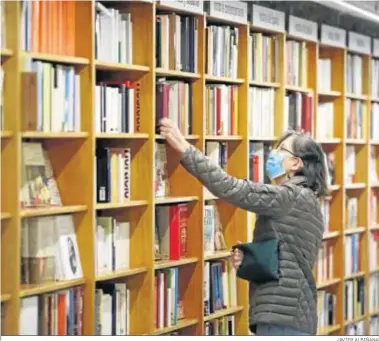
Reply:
x=311, y=153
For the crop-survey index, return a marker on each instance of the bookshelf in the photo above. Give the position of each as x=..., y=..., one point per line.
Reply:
x=72, y=156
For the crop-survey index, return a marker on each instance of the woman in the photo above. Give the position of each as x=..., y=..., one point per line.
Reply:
x=288, y=210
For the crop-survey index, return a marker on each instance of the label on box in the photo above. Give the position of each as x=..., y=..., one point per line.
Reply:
x=234, y=11
x=194, y=6
x=303, y=29
x=333, y=36
x=268, y=19
x=359, y=43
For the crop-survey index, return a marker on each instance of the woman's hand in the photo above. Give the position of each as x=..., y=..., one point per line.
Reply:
x=173, y=135
x=237, y=258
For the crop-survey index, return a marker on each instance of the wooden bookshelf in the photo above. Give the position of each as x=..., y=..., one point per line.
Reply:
x=73, y=160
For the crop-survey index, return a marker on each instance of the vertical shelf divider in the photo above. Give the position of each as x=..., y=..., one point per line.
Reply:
x=11, y=174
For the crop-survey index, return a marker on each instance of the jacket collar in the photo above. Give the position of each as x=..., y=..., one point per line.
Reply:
x=298, y=180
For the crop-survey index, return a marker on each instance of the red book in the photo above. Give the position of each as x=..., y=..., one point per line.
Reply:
x=218, y=111
x=174, y=229
x=183, y=223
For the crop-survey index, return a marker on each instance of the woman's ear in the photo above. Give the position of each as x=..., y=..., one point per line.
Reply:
x=297, y=164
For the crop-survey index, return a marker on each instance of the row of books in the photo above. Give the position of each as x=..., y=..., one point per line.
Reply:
x=297, y=63
x=324, y=74
x=373, y=292
x=374, y=78
x=51, y=100
x=354, y=299
x=113, y=35
x=112, y=246
x=354, y=74
x=263, y=57
x=176, y=40
x=326, y=309
x=112, y=309
x=220, y=286
x=374, y=122
x=113, y=174
x=49, y=250
x=48, y=27
x=325, y=263
x=352, y=253
x=223, y=326
x=222, y=51
x=117, y=107
x=59, y=313
x=354, y=118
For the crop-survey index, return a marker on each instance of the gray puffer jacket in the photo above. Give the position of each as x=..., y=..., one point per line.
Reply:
x=290, y=212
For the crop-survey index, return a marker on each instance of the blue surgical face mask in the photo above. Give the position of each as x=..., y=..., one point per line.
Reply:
x=274, y=164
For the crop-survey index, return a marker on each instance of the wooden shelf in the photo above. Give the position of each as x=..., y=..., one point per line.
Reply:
x=222, y=313
x=355, y=141
x=54, y=210
x=122, y=136
x=31, y=290
x=375, y=312
x=334, y=140
x=374, y=185
x=53, y=135
x=174, y=200
x=119, y=205
x=328, y=330
x=176, y=74
x=357, y=97
x=223, y=80
x=374, y=271
x=109, y=66
x=218, y=255
x=331, y=235
x=334, y=188
x=120, y=274
x=223, y=138
x=358, y=185
x=264, y=84
x=5, y=297
x=298, y=89
x=187, y=137
x=355, y=275
x=328, y=283
x=46, y=57
x=210, y=196
x=160, y=265
x=5, y=134
x=184, y=323
x=329, y=94
x=376, y=100
x=374, y=142
x=6, y=53
x=263, y=138
x=355, y=230
x=5, y=215
x=353, y=321
x=374, y=228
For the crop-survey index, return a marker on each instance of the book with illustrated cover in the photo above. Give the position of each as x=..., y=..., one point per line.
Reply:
x=39, y=187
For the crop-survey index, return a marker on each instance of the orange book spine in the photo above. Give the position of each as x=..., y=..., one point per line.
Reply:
x=70, y=39
x=35, y=26
x=62, y=314
x=42, y=27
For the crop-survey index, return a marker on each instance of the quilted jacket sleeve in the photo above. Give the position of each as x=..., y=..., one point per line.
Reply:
x=269, y=200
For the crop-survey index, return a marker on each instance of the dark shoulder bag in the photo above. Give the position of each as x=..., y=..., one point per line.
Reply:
x=260, y=261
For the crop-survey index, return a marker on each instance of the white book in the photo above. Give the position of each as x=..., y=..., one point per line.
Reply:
x=28, y=323
x=68, y=247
